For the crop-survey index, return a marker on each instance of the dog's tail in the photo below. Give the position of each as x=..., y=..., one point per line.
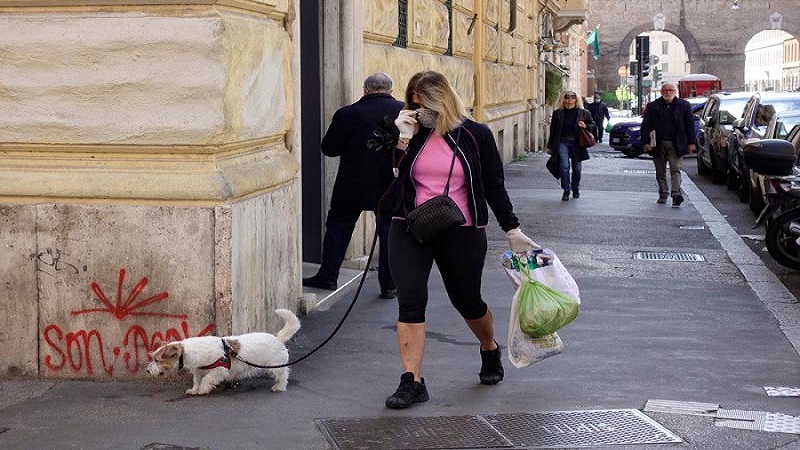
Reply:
x=290, y=327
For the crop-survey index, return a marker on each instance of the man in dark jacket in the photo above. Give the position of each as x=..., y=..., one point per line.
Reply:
x=599, y=112
x=362, y=178
x=668, y=135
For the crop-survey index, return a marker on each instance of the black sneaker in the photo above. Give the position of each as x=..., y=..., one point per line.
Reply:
x=317, y=282
x=661, y=200
x=491, y=366
x=388, y=293
x=408, y=393
x=576, y=193
x=565, y=196
x=677, y=200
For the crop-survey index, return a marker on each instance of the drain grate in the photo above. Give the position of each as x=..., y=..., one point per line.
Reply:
x=556, y=429
x=782, y=391
x=400, y=433
x=157, y=446
x=640, y=171
x=561, y=429
x=669, y=256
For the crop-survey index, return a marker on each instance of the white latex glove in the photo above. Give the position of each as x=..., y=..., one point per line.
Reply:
x=519, y=242
x=406, y=122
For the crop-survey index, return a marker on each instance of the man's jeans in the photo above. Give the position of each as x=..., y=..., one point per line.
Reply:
x=666, y=154
x=566, y=154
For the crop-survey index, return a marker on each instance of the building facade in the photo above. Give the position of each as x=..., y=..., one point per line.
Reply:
x=160, y=163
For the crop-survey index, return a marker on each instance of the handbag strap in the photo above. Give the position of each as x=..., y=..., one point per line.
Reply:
x=452, y=161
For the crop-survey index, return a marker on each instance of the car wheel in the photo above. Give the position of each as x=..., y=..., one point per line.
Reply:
x=731, y=181
x=756, y=199
x=744, y=185
x=632, y=153
x=702, y=168
x=718, y=171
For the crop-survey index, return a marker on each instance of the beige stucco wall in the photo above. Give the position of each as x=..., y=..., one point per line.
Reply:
x=149, y=178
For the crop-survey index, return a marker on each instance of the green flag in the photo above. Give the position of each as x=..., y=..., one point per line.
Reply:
x=593, y=43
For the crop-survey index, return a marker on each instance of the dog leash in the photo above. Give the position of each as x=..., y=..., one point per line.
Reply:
x=349, y=308
x=387, y=140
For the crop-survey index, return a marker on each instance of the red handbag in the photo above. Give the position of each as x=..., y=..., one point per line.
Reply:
x=586, y=138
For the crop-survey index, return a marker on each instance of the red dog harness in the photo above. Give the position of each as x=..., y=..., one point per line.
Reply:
x=224, y=360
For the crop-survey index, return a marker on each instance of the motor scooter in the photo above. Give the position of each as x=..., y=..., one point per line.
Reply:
x=776, y=160
x=782, y=217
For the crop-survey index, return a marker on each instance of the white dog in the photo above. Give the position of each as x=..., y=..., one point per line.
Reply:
x=213, y=360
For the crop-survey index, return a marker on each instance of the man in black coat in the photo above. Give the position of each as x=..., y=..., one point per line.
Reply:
x=362, y=178
x=599, y=112
x=668, y=120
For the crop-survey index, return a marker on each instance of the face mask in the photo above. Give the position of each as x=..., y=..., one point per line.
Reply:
x=427, y=117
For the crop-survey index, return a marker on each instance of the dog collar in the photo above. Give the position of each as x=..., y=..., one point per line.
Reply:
x=223, y=361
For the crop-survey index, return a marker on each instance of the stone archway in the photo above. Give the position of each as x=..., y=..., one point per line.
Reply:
x=713, y=33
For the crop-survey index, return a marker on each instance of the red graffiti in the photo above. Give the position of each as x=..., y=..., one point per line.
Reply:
x=121, y=309
x=80, y=350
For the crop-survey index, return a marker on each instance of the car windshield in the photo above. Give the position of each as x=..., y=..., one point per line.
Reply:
x=730, y=110
x=785, y=125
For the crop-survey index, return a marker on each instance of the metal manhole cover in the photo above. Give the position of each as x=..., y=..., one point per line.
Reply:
x=640, y=171
x=669, y=256
x=157, y=446
x=563, y=429
x=400, y=433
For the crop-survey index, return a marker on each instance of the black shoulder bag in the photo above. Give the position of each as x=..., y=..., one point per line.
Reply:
x=436, y=215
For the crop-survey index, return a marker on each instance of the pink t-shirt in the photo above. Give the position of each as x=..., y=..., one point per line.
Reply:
x=430, y=171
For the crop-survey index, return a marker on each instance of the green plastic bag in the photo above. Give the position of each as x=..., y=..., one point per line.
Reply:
x=543, y=310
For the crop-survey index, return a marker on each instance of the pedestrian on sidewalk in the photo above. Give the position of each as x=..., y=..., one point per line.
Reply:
x=362, y=178
x=440, y=144
x=563, y=141
x=599, y=111
x=668, y=135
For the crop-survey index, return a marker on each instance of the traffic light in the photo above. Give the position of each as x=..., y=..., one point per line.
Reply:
x=656, y=74
x=643, y=54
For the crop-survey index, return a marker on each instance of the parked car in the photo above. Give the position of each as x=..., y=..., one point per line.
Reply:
x=716, y=124
x=784, y=126
x=626, y=136
x=761, y=111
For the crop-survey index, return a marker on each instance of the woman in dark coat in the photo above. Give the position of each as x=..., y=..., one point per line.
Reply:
x=563, y=141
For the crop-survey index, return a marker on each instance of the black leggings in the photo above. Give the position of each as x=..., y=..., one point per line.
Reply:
x=459, y=254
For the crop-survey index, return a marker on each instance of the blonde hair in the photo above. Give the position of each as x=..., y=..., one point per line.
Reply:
x=578, y=99
x=436, y=93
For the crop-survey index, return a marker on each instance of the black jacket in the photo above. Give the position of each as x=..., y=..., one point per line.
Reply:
x=599, y=111
x=483, y=168
x=363, y=174
x=555, y=131
x=683, y=123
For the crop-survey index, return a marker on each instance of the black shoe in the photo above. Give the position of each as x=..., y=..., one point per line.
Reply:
x=317, y=282
x=576, y=193
x=491, y=366
x=408, y=393
x=565, y=196
x=388, y=293
x=677, y=200
x=661, y=200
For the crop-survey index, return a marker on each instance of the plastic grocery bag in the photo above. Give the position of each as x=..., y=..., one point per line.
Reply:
x=524, y=350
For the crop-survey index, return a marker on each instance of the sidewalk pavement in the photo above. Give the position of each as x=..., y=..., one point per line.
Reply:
x=717, y=331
